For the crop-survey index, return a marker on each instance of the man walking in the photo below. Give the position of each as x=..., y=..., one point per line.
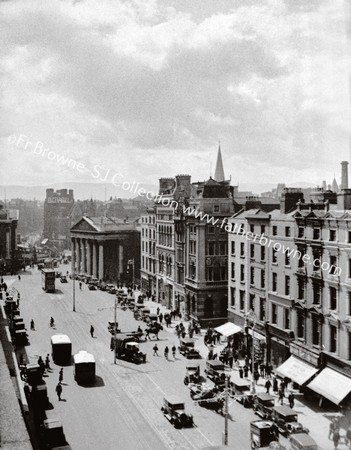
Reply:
x=268, y=385
x=291, y=399
x=166, y=352
x=174, y=351
x=155, y=349
x=59, y=391
x=61, y=376
x=92, y=331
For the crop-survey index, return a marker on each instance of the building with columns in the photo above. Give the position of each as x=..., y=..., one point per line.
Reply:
x=102, y=247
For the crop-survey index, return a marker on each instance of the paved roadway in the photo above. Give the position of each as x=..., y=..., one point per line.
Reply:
x=123, y=409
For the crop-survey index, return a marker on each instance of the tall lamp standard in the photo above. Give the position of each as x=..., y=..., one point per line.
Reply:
x=131, y=263
x=74, y=290
x=115, y=332
x=251, y=317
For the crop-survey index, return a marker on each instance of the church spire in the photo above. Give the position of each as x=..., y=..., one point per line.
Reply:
x=219, y=172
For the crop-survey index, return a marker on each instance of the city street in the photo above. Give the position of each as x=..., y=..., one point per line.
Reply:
x=123, y=408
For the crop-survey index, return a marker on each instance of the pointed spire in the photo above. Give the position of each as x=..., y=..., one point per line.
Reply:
x=219, y=172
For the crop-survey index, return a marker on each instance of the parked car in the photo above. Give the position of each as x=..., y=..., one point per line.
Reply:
x=207, y=397
x=302, y=441
x=286, y=421
x=263, y=405
x=112, y=326
x=262, y=434
x=174, y=411
x=187, y=348
x=101, y=286
x=215, y=372
x=111, y=288
x=241, y=390
x=92, y=286
x=192, y=374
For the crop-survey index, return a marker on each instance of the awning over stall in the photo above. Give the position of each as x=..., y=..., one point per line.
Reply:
x=257, y=336
x=332, y=385
x=297, y=370
x=228, y=329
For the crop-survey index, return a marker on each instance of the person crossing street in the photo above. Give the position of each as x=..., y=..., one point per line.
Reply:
x=174, y=351
x=59, y=391
x=155, y=349
x=166, y=352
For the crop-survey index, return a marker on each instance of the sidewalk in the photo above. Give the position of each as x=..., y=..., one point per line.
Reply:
x=13, y=431
x=312, y=417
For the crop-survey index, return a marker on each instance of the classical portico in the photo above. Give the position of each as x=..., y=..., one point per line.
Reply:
x=102, y=246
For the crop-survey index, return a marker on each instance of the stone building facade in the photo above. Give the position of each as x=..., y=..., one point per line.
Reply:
x=102, y=248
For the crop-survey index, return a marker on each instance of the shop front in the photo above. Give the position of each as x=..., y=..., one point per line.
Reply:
x=279, y=345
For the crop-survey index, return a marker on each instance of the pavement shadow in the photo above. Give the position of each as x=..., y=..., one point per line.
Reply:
x=97, y=382
x=57, y=291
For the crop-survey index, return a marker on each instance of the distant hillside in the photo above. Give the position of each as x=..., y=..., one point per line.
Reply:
x=81, y=191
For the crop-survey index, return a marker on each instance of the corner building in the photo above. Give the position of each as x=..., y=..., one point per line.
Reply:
x=296, y=280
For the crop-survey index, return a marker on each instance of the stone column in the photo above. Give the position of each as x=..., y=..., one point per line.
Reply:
x=78, y=247
x=84, y=266
x=73, y=249
x=101, y=261
x=89, y=257
x=95, y=273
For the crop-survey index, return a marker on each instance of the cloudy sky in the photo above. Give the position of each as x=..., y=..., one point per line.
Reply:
x=147, y=88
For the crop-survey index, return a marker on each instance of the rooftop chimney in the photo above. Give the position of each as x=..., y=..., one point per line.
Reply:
x=344, y=175
x=289, y=198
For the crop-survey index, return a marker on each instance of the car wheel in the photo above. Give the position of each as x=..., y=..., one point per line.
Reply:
x=177, y=424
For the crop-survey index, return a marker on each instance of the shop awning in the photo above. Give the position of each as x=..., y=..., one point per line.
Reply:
x=228, y=329
x=297, y=370
x=257, y=336
x=332, y=385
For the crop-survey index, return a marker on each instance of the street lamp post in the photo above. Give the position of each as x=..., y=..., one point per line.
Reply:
x=115, y=332
x=131, y=263
x=251, y=316
x=225, y=440
x=74, y=291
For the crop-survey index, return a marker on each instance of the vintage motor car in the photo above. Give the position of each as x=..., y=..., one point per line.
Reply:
x=215, y=372
x=192, y=374
x=263, y=405
x=207, y=397
x=262, y=434
x=151, y=318
x=111, y=288
x=145, y=313
x=101, y=286
x=302, y=441
x=241, y=390
x=174, y=411
x=112, y=327
x=126, y=348
x=63, y=279
x=92, y=286
x=286, y=421
x=187, y=348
